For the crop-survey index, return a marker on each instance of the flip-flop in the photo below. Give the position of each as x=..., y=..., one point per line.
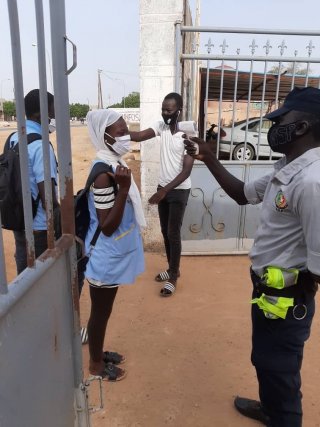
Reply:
x=113, y=357
x=84, y=335
x=110, y=373
x=168, y=290
x=163, y=276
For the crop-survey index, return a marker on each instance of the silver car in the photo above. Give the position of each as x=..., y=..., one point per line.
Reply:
x=250, y=152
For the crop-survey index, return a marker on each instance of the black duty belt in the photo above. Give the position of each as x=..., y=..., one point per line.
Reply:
x=305, y=286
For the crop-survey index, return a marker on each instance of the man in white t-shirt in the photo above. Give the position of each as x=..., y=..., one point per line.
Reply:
x=174, y=185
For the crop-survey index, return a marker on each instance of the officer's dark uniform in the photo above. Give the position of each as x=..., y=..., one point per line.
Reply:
x=288, y=237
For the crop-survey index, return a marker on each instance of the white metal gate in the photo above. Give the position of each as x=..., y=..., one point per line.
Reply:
x=40, y=348
x=239, y=88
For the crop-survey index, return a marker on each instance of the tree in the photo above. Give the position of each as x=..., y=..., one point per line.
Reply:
x=9, y=109
x=79, y=110
x=131, y=101
x=299, y=70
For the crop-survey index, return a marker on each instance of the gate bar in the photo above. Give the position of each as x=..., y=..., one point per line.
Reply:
x=204, y=56
x=248, y=110
x=235, y=30
x=20, y=110
x=234, y=106
x=60, y=81
x=44, y=120
x=3, y=274
x=262, y=106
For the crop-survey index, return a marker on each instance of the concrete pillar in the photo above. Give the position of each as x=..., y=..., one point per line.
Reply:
x=157, y=77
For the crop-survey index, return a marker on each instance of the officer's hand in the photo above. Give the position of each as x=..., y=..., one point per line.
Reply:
x=199, y=149
x=123, y=177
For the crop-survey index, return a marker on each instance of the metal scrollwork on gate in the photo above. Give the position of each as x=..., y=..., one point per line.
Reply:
x=208, y=210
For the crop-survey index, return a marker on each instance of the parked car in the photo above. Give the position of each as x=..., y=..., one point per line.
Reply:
x=238, y=142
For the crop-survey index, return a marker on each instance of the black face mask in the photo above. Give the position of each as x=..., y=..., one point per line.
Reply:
x=279, y=136
x=171, y=118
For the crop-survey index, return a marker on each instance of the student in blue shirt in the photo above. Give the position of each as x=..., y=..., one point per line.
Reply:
x=36, y=177
x=117, y=257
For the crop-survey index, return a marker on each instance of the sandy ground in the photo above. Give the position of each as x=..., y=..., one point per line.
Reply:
x=188, y=355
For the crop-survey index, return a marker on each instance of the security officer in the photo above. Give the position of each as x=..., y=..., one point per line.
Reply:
x=285, y=255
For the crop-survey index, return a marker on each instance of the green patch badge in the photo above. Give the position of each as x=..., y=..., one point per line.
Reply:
x=280, y=201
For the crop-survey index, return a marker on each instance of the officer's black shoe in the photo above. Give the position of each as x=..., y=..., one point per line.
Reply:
x=251, y=409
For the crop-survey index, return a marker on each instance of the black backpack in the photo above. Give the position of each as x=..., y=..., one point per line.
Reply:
x=11, y=201
x=82, y=214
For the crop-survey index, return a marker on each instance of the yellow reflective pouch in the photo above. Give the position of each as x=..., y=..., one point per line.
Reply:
x=274, y=310
x=279, y=278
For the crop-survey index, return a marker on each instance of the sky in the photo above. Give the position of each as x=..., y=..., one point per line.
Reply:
x=106, y=33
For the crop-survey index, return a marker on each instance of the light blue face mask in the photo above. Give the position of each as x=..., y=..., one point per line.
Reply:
x=121, y=145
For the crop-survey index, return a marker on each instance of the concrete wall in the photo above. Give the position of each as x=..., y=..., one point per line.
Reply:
x=157, y=77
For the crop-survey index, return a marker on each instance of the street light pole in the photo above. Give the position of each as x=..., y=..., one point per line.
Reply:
x=118, y=80
x=49, y=62
x=100, y=98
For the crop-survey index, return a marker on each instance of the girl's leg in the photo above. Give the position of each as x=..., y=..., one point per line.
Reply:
x=102, y=300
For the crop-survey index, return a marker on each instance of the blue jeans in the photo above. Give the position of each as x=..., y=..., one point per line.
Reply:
x=171, y=211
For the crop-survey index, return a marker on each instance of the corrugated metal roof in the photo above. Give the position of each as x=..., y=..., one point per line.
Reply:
x=257, y=84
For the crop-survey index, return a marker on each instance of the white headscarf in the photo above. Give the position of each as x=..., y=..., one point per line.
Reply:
x=97, y=122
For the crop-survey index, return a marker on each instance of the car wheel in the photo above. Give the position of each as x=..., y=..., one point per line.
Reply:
x=239, y=154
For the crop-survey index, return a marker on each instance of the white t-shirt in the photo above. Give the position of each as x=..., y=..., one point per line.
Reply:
x=172, y=152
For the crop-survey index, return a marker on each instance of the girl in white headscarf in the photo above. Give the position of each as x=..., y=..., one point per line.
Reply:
x=117, y=257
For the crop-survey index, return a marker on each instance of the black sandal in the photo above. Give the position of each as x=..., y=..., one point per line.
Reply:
x=110, y=373
x=113, y=357
x=168, y=289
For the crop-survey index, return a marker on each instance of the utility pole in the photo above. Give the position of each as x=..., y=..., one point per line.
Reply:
x=100, y=100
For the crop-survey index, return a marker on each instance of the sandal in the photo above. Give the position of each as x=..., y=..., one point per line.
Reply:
x=163, y=276
x=110, y=373
x=84, y=335
x=168, y=289
x=113, y=357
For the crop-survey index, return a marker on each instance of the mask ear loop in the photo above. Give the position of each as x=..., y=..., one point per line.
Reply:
x=106, y=133
x=108, y=143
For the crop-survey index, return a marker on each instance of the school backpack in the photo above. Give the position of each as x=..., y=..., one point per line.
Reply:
x=82, y=214
x=11, y=201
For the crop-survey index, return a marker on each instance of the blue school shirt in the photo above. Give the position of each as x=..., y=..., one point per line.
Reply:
x=115, y=259
x=36, y=170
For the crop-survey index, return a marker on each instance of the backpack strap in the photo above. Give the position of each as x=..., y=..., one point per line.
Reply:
x=31, y=137
x=98, y=169
x=6, y=144
x=95, y=237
